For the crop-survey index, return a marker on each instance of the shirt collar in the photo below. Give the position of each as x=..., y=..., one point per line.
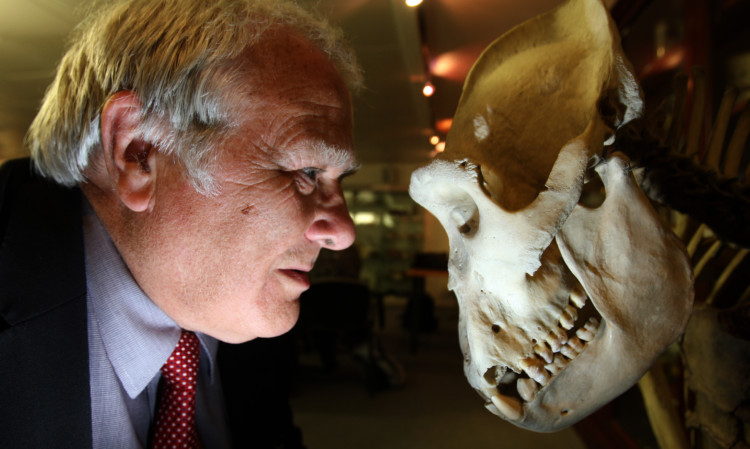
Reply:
x=138, y=336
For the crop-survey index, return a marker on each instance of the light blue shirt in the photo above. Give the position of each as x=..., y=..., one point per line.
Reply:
x=130, y=338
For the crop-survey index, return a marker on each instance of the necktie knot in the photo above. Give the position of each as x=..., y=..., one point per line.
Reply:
x=181, y=368
x=175, y=418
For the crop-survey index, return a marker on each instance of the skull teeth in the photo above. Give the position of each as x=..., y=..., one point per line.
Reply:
x=592, y=325
x=558, y=364
x=578, y=299
x=544, y=352
x=535, y=369
x=569, y=317
x=508, y=406
x=585, y=334
x=573, y=348
x=527, y=388
x=576, y=344
x=556, y=339
x=549, y=358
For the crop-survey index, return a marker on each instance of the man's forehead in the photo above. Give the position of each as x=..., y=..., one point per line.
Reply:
x=300, y=78
x=288, y=55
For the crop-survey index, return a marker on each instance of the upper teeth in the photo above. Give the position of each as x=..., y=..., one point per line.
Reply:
x=544, y=352
x=550, y=357
x=569, y=317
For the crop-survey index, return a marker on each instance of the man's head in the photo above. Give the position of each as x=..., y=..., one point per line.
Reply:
x=210, y=138
x=181, y=58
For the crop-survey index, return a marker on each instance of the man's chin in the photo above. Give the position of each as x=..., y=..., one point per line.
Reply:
x=278, y=323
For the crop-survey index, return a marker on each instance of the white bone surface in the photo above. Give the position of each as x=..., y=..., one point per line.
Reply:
x=526, y=260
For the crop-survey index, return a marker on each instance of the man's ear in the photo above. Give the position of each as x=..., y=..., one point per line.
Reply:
x=130, y=160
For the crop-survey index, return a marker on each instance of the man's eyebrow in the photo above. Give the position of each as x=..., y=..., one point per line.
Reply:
x=339, y=158
x=354, y=168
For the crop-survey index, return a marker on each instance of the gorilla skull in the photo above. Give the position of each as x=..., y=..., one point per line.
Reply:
x=526, y=256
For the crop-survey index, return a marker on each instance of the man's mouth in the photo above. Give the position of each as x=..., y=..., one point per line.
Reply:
x=300, y=276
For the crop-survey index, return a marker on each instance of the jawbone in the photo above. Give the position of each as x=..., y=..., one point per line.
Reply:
x=534, y=348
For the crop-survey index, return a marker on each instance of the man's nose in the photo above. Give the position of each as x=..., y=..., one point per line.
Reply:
x=332, y=227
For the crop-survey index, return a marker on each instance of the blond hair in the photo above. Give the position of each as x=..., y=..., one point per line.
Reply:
x=179, y=57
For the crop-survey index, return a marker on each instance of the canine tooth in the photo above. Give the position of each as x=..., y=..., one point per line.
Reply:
x=585, y=334
x=527, y=388
x=535, y=369
x=544, y=352
x=578, y=298
x=510, y=407
x=575, y=343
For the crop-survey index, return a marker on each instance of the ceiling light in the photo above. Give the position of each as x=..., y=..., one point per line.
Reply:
x=428, y=89
x=434, y=140
x=440, y=147
x=413, y=3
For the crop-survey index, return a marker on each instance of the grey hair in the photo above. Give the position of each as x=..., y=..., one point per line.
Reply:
x=178, y=57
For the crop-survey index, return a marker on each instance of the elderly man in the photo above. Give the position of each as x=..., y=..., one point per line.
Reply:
x=186, y=172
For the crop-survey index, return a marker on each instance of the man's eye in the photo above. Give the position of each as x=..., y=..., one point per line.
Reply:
x=307, y=179
x=311, y=172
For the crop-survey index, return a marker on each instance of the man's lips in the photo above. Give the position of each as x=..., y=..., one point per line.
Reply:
x=299, y=276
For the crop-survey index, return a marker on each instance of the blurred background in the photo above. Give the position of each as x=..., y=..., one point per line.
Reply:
x=393, y=376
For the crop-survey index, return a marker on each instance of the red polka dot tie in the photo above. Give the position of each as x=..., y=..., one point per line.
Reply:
x=175, y=417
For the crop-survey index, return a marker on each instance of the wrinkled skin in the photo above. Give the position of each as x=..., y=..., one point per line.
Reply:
x=525, y=256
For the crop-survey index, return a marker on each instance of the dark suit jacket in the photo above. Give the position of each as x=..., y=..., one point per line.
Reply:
x=44, y=372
